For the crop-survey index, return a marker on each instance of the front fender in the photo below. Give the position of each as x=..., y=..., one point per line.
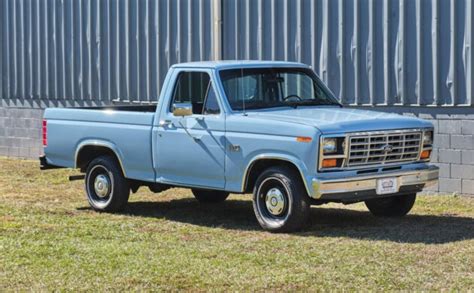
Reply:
x=283, y=157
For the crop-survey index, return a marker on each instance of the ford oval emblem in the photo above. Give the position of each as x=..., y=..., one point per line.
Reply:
x=388, y=148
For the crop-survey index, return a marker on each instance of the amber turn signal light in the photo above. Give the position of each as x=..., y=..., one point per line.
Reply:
x=303, y=139
x=425, y=154
x=329, y=163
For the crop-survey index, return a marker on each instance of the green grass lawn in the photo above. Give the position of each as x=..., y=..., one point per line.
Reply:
x=51, y=240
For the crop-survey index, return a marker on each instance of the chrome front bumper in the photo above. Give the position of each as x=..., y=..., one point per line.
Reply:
x=365, y=185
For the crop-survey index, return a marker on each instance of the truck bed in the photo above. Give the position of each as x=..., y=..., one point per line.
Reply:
x=125, y=129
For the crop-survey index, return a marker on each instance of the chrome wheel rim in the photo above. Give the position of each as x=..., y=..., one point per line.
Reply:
x=275, y=201
x=101, y=186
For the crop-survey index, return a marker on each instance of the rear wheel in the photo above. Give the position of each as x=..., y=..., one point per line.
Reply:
x=210, y=196
x=394, y=206
x=280, y=201
x=106, y=188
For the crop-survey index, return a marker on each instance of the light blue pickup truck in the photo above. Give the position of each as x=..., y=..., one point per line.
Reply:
x=268, y=128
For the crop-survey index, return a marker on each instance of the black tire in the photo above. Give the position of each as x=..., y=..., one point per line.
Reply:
x=275, y=186
x=210, y=196
x=394, y=206
x=115, y=187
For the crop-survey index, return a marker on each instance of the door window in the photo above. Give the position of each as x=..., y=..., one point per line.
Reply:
x=196, y=88
x=211, y=106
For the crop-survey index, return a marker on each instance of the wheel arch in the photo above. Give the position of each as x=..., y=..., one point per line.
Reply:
x=88, y=150
x=262, y=162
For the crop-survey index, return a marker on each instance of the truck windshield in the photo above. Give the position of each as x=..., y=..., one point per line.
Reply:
x=258, y=88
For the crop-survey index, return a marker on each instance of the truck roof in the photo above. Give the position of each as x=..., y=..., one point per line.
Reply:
x=228, y=64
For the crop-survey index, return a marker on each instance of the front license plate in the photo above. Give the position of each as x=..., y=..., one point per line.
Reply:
x=387, y=186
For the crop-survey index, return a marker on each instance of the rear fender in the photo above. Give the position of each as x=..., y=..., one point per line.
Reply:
x=99, y=143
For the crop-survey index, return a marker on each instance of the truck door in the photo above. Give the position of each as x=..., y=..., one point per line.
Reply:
x=190, y=150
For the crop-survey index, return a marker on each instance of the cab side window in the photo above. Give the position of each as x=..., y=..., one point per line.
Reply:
x=195, y=88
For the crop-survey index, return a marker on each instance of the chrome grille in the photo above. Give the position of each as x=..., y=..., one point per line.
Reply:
x=381, y=148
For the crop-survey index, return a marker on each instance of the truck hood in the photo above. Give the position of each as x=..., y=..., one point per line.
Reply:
x=339, y=120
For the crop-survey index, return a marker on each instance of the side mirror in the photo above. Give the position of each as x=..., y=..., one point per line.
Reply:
x=182, y=109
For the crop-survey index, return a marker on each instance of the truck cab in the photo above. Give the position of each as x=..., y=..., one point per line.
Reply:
x=268, y=128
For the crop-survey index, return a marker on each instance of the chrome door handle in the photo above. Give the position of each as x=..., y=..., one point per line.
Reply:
x=165, y=122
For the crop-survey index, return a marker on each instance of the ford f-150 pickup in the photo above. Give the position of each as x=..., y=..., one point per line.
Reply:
x=268, y=128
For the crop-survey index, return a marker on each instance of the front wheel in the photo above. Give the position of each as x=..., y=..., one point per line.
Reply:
x=106, y=188
x=394, y=206
x=280, y=201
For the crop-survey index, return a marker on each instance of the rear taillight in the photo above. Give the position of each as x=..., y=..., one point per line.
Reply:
x=45, y=133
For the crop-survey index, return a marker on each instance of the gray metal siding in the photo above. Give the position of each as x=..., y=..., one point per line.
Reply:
x=370, y=52
x=91, y=52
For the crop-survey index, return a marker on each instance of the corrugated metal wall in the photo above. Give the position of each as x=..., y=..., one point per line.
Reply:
x=90, y=52
x=375, y=52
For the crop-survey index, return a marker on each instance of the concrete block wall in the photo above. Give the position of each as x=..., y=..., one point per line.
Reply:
x=454, y=142
x=20, y=136
x=20, y=132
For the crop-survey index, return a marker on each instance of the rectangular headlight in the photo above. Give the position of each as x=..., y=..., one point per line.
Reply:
x=329, y=146
x=427, y=137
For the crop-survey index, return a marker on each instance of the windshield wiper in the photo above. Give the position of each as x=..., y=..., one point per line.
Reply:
x=311, y=102
x=260, y=105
